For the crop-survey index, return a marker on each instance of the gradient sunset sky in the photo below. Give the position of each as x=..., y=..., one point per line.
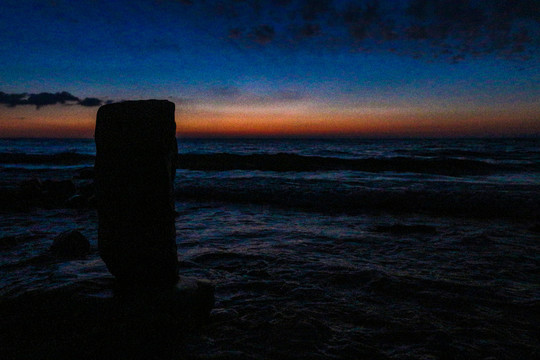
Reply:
x=275, y=68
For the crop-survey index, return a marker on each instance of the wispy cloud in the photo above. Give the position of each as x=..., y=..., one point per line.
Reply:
x=89, y=102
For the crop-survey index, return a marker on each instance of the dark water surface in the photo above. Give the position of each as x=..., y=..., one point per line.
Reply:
x=324, y=248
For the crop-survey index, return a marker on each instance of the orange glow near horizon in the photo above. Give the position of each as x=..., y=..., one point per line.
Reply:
x=319, y=121
x=48, y=121
x=407, y=125
x=77, y=122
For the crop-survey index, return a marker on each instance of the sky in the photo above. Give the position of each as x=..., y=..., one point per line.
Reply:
x=375, y=68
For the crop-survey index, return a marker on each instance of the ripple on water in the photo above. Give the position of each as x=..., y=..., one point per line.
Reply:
x=312, y=285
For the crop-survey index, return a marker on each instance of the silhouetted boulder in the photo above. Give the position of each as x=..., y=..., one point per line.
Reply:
x=25, y=196
x=190, y=299
x=86, y=173
x=10, y=199
x=30, y=188
x=135, y=166
x=92, y=319
x=77, y=201
x=92, y=202
x=70, y=243
x=59, y=190
x=87, y=189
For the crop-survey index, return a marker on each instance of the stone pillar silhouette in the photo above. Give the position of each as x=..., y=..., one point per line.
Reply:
x=136, y=154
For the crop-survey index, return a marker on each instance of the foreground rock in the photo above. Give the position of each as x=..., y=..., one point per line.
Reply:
x=135, y=166
x=58, y=190
x=70, y=244
x=146, y=311
x=93, y=319
x=30, y=188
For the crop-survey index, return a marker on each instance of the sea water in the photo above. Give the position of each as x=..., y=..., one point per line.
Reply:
x=325, y=248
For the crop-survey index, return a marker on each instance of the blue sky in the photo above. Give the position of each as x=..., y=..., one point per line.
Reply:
x=353, y=56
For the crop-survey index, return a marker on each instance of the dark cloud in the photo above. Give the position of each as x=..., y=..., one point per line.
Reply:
x=263, y=34
x=12, y=100
x=313, y=9
x=45, y=98
x=465, y=28
x=450, y=29
x=90, y=102
x=310, y=30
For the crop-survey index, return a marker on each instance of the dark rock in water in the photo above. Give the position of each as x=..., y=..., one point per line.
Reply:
x=87, y=189
x=28, y=194
x=77, y=201
x=88, y=319
x=92, y=202
x=400, y=229
x=10, y=199
x=70, y=243
x=191, y=298
x=30, y=188
x=136, y=153
x=59, y=190
x=86, y=173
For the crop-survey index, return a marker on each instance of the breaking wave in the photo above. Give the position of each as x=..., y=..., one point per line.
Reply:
x=296, y=163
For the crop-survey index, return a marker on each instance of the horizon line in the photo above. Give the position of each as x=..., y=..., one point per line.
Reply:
x=302, y=137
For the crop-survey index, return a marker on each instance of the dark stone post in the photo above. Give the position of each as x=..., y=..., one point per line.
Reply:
x=136, y=154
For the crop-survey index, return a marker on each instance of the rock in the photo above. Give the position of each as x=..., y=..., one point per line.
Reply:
x=135, y=165
x=30, y=188
x=86, y=173
x=77, y=201
x=59, y=190
x=87, y=189
x=70, y=244
x=10, y=199
x=92, y=202
x=27, y=195
x=197, y=294
x=89, y=319
x=189, y=300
